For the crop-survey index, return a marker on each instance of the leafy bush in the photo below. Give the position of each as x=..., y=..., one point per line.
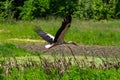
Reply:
x=61, y=8
x=117, y=9
x=10, y=9
x=83, y=9
x=103, y=10
x=35, y=9
x=6, y=9
x=96, y=9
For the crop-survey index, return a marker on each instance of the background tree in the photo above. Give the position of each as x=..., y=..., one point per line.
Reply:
x=83, y=9
x=61, y=8
x=117, y=9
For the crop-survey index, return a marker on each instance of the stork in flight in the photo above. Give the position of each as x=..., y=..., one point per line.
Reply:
x=59, y=37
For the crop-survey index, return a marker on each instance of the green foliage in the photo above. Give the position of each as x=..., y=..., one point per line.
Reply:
x=35, y=9
x=74, y=74
x=117, y=9
x=96, y=9
x=41, y=8
x=10, y=9
x=83, y=9
x=61, y=8
x=102, y=10
x=6, y=9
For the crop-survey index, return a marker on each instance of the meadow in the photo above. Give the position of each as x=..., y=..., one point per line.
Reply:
x=18, y=63
x=84, y=32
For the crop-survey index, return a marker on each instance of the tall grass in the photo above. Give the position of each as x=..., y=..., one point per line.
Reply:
x=59, y=69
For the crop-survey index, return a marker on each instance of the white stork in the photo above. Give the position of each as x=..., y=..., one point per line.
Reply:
x=59, y=37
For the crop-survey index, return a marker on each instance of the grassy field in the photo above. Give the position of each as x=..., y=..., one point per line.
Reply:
x=21, y=64
x=83, y=32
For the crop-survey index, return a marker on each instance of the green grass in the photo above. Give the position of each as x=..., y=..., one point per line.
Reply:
x=83, y=32
x=7, y=50
x=96, y=33
x=74, y=74
x=59, y=69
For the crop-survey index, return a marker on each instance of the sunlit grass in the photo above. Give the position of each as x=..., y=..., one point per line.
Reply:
x=83, y=32
x=7, y=50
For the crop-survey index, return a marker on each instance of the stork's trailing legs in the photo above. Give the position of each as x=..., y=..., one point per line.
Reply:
x=71, y=42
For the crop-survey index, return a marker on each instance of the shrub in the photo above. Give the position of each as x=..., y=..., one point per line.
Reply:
x=103, y=10
x=83, y=9
x=35, y=9
x=61, y=8
x=6, y=9
x=117, y=9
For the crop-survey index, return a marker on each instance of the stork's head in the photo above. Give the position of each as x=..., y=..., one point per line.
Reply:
x=68, y=19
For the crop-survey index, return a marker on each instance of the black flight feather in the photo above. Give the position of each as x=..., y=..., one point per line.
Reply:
x=47, y=37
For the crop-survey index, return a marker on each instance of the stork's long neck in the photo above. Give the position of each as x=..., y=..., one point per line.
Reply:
x=59, y=37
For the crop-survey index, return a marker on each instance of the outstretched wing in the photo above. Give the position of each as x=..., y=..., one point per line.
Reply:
x=47, y=37
x=59, y=37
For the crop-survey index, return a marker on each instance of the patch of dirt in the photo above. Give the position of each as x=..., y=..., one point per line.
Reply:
x=26, y=40
x=76, y=50
x=2, y=30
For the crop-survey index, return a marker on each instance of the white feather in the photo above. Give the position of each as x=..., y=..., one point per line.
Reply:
x=48, y=46
x=50, y=36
